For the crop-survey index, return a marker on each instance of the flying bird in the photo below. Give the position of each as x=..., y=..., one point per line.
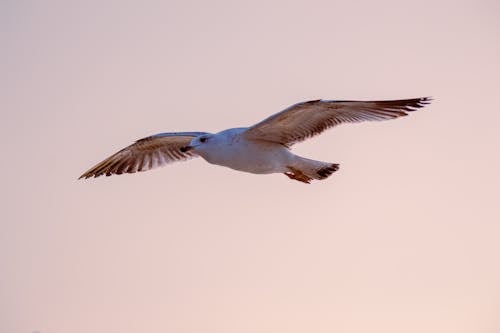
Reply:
x=263, y=148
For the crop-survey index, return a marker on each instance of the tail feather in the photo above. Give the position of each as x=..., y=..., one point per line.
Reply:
x=305, y=170
x=327, y=171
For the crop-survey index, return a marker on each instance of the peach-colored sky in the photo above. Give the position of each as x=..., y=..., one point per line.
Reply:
x=404, y=238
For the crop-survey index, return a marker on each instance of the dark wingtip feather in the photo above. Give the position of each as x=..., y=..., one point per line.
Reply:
x=405, y=105
x=86, y=175
x=419, y=102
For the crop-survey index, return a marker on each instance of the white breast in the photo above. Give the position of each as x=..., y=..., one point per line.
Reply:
x=250, y=156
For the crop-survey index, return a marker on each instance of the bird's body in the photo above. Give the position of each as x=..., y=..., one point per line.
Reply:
x=228, y=148
x=260, y=149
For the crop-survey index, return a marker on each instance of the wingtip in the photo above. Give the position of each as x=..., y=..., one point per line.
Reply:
x=417, y=103
x=422, y=101
x=89, y=174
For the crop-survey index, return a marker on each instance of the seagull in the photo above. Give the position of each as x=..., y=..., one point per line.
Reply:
x=263, y=148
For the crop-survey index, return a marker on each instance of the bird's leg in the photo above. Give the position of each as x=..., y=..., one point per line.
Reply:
x=297, y=175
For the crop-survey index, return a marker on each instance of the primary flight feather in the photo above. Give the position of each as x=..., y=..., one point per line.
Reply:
x=262, y=148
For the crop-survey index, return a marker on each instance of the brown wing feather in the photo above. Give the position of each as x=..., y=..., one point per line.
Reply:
x=304, y=120
x=145, y=154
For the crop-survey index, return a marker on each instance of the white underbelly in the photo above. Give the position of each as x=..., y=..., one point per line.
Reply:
x=260, y=159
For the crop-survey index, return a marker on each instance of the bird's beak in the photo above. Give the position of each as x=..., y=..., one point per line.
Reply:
x=185, y=149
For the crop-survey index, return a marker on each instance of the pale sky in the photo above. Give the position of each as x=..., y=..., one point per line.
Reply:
x=404, y=238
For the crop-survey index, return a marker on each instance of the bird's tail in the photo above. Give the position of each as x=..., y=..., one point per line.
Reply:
x=305, y=170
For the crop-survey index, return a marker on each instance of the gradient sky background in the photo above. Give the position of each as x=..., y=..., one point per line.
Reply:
x=404, y=238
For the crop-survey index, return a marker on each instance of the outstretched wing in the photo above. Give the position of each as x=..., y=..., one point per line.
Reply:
x=145, y=154
x=304, y=120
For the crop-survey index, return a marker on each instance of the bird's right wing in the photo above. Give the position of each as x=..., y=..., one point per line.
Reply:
x=304, y=120
x=145, y=154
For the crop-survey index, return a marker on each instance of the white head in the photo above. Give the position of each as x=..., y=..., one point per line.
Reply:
x=201, y=144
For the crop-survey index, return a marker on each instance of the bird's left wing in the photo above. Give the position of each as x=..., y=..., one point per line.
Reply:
x=145, y=154
x=304, y=120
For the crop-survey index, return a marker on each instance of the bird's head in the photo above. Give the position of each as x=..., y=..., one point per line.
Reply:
x=199, y=144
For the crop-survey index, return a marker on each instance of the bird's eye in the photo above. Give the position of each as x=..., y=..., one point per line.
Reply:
x=203, y=140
